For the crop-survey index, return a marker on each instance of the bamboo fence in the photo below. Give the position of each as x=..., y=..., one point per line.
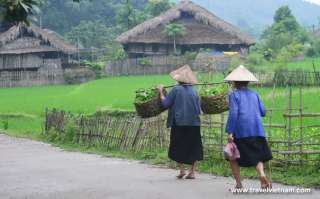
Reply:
x=293, y=142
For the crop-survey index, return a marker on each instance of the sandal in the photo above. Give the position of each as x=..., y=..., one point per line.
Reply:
x=190, y=176
x=181, y=175
x=265, y=183
x=238, y=186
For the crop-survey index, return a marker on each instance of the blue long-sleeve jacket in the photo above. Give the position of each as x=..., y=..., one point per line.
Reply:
x=246, y=110
x=184, y=106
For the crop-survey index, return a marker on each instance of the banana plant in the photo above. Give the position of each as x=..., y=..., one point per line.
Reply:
x=17, y=11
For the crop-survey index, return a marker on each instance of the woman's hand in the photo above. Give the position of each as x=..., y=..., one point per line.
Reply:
x=230, y=138
x=161, y=88
x=161, y=91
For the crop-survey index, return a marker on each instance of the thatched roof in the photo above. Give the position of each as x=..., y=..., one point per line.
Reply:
x=209, y=28
x=53, y=40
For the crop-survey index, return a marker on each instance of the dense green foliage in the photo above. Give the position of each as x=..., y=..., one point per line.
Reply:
x=156, y=7
x=145, y=95
x=214, y=90
x=97, y=67
x=282, y=41
x=314, y=49
x=128, y=17
x=96, y=34
x=285, y=34
x=97, y=23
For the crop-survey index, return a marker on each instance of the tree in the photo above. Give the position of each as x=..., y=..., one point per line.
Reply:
x=156, y=7
x=174, y=30
x=285, y=31
x=128, y=16
x=91, y=34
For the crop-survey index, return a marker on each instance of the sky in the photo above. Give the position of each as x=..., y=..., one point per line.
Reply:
x=314, y=1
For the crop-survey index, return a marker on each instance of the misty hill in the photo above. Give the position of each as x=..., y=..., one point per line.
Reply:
x=254, y=15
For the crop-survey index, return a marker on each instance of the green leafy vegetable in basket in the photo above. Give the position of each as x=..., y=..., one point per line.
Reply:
x=148, y=103
x=214, y=99
x=145, y=95
x=214, y=90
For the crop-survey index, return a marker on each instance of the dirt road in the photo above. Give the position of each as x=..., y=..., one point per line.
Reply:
x=30, y=169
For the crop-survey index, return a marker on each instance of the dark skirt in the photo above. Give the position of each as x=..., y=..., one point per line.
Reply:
x=185, y=144
x=253, y=150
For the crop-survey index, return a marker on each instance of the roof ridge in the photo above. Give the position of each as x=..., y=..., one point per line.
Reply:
x=51, y=37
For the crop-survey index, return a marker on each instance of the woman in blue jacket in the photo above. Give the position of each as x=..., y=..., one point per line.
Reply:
x=184, y=120
x=245, y=128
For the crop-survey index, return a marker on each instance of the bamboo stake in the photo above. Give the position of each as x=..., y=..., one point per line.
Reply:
x=289, y=121
x=302, y=115
x=270, y=114
x=301, y=124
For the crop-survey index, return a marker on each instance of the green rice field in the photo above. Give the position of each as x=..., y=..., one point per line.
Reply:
x=22, y=109
x=309, y=64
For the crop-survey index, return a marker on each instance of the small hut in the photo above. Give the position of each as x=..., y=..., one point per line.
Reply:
x=203, y=30
x=30, y=55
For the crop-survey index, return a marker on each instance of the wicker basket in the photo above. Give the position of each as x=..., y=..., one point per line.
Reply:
x=150, y=108
x=215, y=104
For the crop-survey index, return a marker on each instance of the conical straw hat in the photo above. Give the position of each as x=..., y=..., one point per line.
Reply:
x=241, y=74
x=184, y=75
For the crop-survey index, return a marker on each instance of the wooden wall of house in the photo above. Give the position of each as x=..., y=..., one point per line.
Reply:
x=181, y=49
x=20, y=61
x=140, y=49
x=50, y=72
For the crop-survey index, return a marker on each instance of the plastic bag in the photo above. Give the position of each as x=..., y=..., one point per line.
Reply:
x=231, y=151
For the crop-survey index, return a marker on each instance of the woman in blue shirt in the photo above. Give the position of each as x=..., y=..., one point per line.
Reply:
x=184, y=120
x=244, y=126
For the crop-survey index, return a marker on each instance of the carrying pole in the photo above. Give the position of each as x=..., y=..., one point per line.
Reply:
x=198, y=84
